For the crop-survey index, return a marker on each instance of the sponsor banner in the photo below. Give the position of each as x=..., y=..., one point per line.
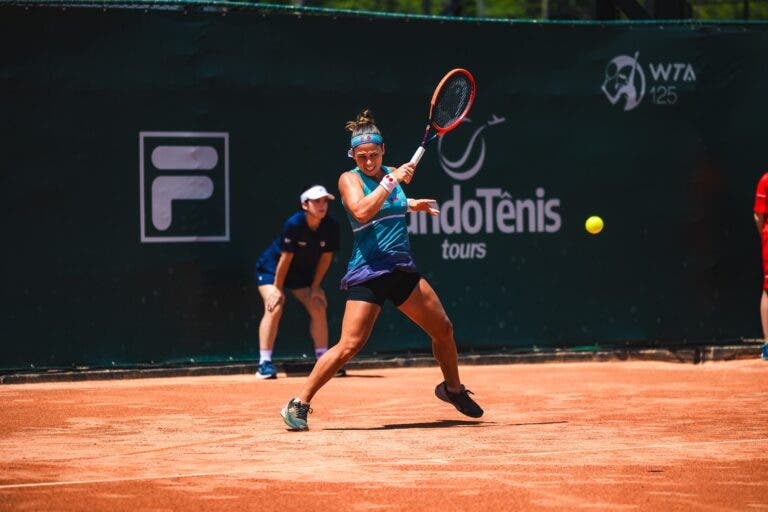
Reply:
x=481, y=210
x=148, y=164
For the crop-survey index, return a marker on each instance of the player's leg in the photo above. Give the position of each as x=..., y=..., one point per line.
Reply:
x=423, y=306
x=764, y=314
x=764, y=321
x=268, y=333
x=270, y=321
x=359, y=318
x=356, y=327
x=764, y=297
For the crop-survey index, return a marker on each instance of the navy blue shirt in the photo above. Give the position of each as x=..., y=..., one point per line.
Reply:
x=306, y=245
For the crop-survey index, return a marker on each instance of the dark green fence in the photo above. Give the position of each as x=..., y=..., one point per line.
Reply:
x=658, y=128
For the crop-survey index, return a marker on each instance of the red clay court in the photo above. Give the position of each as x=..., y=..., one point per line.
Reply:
x=586, y=436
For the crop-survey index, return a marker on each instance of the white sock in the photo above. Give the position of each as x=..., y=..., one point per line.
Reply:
x=265, y=355
x=319, y=352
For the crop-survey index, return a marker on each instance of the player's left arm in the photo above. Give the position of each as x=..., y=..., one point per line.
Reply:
x=322, y=267
x=759, y=221
x=333, y=241
x=423, y=205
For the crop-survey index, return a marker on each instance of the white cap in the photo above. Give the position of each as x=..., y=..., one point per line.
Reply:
x=315, y=192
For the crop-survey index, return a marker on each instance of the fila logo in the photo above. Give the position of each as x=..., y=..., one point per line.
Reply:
x=184, y=186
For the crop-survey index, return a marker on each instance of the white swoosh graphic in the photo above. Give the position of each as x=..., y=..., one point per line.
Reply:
x=448, y=165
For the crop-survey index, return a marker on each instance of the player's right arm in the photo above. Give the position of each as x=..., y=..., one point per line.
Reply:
x=759, y=222
x=277, y=296
x=363, y=207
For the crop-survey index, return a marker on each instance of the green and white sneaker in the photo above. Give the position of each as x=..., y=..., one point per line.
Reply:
x=295, y=414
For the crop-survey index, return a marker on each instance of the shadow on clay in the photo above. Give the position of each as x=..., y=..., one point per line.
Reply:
x=431, y=424
x=447, y=424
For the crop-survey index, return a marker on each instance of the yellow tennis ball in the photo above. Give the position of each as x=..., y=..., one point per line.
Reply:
x=594, y=224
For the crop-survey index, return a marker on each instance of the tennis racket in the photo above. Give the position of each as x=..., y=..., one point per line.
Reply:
x=451, y=101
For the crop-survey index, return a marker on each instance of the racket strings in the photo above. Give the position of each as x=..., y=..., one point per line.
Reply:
x=452, y=100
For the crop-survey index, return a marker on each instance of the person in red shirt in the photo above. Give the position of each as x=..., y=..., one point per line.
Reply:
x=761, y=211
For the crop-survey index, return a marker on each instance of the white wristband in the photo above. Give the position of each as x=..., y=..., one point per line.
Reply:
x=388, y=182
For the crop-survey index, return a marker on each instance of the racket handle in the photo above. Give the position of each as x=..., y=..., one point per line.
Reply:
x=417, y=155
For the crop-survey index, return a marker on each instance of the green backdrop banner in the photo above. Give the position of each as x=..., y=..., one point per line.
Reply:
x=118, y=251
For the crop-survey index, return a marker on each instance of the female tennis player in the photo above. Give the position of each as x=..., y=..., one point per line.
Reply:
x=382, y=268
x=297, y=259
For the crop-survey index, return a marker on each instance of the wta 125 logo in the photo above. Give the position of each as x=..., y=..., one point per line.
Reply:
x=626, y=82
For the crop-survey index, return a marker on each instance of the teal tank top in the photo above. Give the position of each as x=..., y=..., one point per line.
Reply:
x=381, y=244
